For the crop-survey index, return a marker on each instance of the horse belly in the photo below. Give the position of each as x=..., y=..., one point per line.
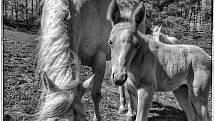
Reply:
x=169, y=84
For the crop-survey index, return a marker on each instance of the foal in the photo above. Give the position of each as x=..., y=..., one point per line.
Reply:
x=158, y=36
x=144, y=66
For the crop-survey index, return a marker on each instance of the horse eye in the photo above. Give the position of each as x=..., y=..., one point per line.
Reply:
x=136, y=45
x=110, y=42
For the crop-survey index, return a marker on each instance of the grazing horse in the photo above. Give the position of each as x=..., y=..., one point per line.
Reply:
x=77, y=27
x=157, y=35
x=144, y=65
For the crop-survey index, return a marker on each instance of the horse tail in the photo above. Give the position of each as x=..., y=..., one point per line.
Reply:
x=55, y=56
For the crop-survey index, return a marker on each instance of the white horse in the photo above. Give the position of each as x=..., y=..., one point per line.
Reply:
x=145, y=65
x=159, y=36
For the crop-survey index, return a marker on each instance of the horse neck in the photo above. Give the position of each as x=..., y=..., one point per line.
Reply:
x=150, y=44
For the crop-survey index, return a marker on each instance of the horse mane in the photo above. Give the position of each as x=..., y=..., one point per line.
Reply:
x=55, y=56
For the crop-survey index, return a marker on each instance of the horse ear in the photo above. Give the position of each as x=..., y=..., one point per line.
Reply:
x=159, y=29
x=139, y=14
x=155, y=29
x=152, y=27
x=48, y=83
x=88, y=83
x=113, y=13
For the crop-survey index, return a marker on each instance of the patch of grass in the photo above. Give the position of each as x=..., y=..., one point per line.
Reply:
x=22, y=86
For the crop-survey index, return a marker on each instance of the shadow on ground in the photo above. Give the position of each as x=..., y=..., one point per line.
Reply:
x=166, y=113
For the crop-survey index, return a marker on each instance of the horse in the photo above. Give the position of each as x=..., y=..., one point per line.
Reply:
x=77, y=27
x=159, y=36
x=144, y=65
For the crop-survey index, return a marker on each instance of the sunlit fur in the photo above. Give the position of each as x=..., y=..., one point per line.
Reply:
x=57, y=59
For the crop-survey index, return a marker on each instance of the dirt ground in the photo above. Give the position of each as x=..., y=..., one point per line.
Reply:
x=22, y=86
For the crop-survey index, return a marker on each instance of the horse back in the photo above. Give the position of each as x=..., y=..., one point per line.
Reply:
x=177, y=64
x=176, y=59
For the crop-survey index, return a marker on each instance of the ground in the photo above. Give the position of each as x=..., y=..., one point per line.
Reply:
x=22, y=86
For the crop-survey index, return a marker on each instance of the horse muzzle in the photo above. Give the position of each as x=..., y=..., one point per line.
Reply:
x=119, y=78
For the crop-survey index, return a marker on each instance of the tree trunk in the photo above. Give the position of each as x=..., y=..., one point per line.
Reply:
x=16, y=10
x=32, y=7
x=5, y=8
x=12, y=7
x=26, y=9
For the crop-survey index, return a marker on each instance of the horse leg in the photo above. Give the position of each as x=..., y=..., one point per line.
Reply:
x=98, y=68
x=122, y=108
x=199, y=93
x=145, y=95
x=181, y=95
x=130, y=116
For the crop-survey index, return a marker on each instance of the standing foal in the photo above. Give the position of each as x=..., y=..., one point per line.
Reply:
x=144, y=66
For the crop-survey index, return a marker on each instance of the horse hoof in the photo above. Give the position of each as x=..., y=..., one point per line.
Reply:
x=122, y=110
x=130, y=118
x=95, y=119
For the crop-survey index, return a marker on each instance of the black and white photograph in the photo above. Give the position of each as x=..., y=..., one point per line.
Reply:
x=107, y=60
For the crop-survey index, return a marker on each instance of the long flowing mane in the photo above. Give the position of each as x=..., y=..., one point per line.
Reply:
x=55, y=56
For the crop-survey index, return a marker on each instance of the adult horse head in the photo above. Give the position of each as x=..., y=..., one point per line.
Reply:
x=62, y=103
x=123, y=40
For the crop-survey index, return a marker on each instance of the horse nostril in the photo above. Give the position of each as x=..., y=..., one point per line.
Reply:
x=136, y=45
x=119, y=78
x=113, y=76
x=125, y=77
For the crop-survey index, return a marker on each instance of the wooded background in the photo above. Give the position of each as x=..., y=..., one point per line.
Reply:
x=179, y=17
x=21, y=14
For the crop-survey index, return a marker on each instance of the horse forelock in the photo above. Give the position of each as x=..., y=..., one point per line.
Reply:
x=122, y=26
